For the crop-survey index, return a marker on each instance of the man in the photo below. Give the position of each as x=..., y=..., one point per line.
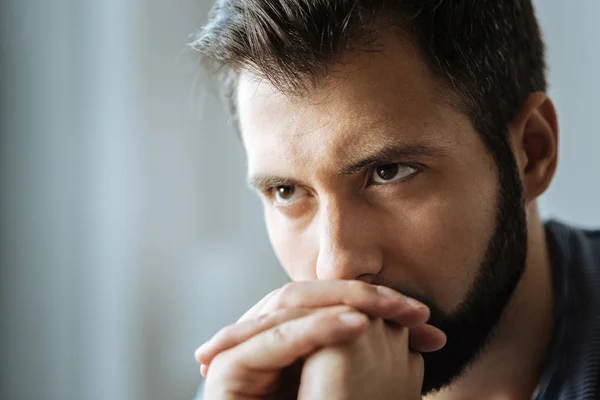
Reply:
x=399, y=148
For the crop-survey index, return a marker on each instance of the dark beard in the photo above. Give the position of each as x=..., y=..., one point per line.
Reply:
x=471, y=326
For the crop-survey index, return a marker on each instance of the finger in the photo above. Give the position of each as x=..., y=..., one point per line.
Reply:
x=376, y=301
x=203, y=370
x=426, y=338
x=240, y=332
x=255, y=311
x=285, y=343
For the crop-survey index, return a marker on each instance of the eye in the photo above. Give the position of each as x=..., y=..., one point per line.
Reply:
x=286, y=195
x=392, y=172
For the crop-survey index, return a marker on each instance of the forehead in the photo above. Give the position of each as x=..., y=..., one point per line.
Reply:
x=369, y=99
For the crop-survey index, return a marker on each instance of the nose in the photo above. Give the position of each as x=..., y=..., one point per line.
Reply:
x=347, y=243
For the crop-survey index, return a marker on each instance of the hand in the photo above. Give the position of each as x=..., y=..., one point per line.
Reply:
x=252, y=370
x=375, y=301
x=252, y=343
x=377, y=365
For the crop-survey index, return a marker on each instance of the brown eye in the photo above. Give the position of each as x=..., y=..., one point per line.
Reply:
x=286, y=195
x=392, y=172
x=387, y=172
x=285, y=192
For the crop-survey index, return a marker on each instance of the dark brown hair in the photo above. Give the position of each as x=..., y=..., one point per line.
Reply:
x=489, y=53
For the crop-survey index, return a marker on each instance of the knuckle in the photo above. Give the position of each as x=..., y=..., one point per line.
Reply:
x=271, y=298
x=258, y=307
x=355, y=286
x=279, y=334
x=287, y=289
x=360, y=290
x=326, y=320
x=226, y=332
x=263, y=319
x=284, y=294
x=273, y=293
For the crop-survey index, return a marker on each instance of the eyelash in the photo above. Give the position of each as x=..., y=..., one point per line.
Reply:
x=417, y=167
x=269, y=191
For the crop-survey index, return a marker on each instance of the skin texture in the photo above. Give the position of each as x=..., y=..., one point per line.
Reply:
x=429, y=232
x=425, y=233
x=294, y=301
x=379, y=347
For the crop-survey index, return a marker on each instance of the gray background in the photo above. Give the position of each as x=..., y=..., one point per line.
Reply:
x=128, y=235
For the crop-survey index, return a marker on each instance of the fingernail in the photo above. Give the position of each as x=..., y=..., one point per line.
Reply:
x=389, y=293
x=203, y=370
x=414, y=303
x=353, y=319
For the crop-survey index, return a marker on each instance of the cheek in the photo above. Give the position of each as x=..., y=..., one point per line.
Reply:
x=295, y=246
x=440, y=244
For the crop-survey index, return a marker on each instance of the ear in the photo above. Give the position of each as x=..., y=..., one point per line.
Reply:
x=534, y=139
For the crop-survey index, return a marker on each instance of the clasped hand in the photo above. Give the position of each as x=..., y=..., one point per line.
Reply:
x=322, y=340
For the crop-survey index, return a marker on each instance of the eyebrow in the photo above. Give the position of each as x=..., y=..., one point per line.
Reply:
x=386, y=154
x=391, y=153
x=262, y=182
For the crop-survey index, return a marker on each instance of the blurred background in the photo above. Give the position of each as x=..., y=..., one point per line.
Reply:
x=128, y=235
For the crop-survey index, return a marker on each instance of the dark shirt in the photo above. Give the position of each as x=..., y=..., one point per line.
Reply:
x=572, y=368
x=573, y=361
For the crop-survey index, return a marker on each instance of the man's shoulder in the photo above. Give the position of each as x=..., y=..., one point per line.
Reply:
x=577, y=244
x=573, y=365
x=576, y=257
x=593, y=236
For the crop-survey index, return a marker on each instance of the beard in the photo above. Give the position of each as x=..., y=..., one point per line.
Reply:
x=470, y=328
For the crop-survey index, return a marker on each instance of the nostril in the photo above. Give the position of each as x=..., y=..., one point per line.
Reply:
x=367, y=278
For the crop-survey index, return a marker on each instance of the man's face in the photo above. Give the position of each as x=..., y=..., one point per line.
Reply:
x=374, y=176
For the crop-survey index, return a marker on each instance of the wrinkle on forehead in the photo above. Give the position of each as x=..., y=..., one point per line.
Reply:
x=369, y=100
x=335, y=129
